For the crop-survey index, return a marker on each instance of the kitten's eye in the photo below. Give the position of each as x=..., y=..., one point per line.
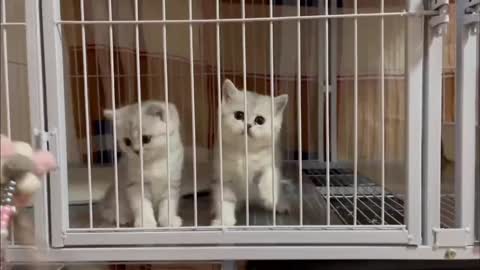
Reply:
x=127, y=141
x=146, y=139
x=259, y=120
x=238, y=115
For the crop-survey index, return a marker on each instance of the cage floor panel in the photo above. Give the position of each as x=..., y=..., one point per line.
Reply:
x=369, y=198
x=342, y=203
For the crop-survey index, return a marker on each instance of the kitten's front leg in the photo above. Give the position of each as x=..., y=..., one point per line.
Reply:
x=227, y=206
x=268, y=188
x=163, y=210
x=135, y=199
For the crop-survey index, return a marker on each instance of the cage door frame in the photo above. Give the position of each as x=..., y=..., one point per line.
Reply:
x=62, y=236
x=38, y=137
x=414, y=57
x=55, y=100
x=37, y=114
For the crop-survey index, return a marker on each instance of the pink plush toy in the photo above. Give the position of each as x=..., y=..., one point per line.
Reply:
x=21, y=168
x=6, y=147
x=42, y=161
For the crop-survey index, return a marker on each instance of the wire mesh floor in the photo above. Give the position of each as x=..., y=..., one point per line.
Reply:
x=369, y=201
x=447, y=215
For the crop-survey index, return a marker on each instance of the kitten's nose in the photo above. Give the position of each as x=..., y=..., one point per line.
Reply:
x=249, y=126
x=136, y=151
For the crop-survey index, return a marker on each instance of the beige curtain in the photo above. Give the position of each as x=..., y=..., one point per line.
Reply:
x=257, y=69
x=178, y=57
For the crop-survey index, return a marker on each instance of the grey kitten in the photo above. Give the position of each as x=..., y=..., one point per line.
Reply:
x=261, y=166
x=154, y=140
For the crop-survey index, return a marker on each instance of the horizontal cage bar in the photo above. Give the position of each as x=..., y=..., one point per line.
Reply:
x=257, y=19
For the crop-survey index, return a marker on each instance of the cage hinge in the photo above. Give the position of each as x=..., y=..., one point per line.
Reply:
x=450, y=237
x=439, y=22
x=472, y=15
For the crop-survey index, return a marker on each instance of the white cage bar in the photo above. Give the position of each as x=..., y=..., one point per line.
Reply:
x=167, y=114
x=327, y=110
x=112, y=82
x=299, y=114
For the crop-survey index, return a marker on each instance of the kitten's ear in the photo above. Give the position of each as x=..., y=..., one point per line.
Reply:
x=119, y=113
x=229, y=90
x=281, y=103
x=108, y=114
x=158, y=109
x=155, y=109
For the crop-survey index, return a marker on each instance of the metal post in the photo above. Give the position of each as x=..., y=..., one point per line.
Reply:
x=432, y=137
x=414, y=85
x=35, y=88
x=53, y=55
x=466, y=84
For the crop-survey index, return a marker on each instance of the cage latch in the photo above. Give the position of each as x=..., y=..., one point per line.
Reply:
x=439, y=22
x=472, y=15
x=42, y=137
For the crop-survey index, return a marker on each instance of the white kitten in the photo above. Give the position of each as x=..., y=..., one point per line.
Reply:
x=260, y=162
x=154, y=140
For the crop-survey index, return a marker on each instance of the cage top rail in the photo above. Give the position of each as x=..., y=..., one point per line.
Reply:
x=255, y=19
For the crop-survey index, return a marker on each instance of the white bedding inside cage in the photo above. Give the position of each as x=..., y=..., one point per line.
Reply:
x=103, y=178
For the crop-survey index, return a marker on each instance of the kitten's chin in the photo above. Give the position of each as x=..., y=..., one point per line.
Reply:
x=253, y=139
x=261, y=142
x=146, y=158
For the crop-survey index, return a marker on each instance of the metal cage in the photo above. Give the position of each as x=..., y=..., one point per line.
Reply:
x=360, y=217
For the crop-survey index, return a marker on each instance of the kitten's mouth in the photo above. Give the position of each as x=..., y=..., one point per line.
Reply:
x=249, y=133
x=137, y=152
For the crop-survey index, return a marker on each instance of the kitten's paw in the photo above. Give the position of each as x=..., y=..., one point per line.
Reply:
x=216, y=222
x=268, y=204
x=227, y=222
x=175, y=221
x=280, y=208
x=283, y=208
x=147, y=223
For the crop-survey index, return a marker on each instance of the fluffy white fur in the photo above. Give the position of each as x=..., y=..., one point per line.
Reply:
x=260, y=173
x=154, y=127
